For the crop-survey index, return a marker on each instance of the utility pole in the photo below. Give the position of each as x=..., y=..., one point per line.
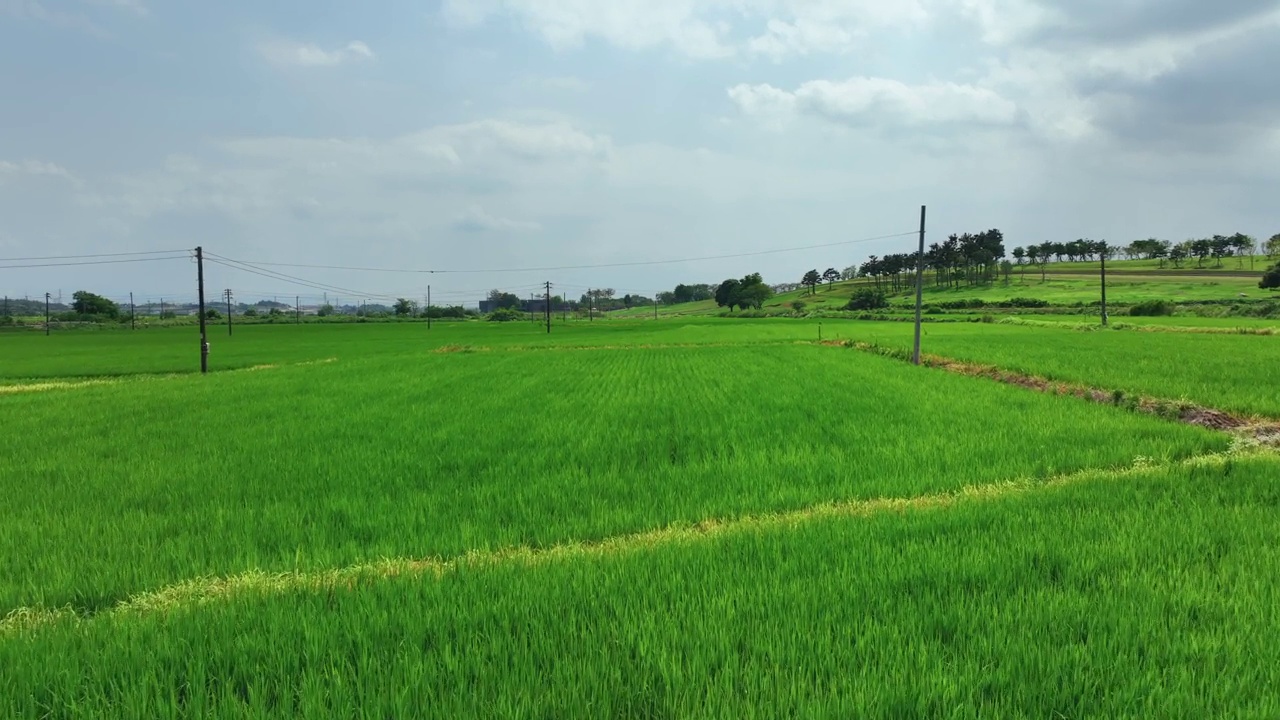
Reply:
x=547, y=309
x=204, y=338
x=297, y=309
x=655, y=306
x=591, y=305
x=915, y=354
x=46, y=314
x=133, y=325
x=428, y=307
x=1102, y=253
x=161, y=308
x=227, y=293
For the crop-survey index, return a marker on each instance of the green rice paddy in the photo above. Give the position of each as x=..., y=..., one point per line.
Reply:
x=684, y=518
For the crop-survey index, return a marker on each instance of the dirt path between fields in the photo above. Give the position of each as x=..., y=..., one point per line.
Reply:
x=1251, y=429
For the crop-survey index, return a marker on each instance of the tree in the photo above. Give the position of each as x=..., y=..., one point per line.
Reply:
x=849, y=273
x=867, y=299
x=727, y=294
x=86, y=303
x=325, y=310
x=1047, y=251
x=831, y=276
x=1019, y=255
x=1201, y=249
x=752, y=292
x=1271, y=279
x=1273, y=247
x=403, y=307
x=1177, y=254
x=503, y=300
x=811, y=280
x=212, y=314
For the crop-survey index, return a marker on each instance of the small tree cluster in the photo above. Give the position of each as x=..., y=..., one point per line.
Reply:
x=749, y=292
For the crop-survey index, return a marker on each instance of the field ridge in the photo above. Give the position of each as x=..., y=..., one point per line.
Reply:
x=198, y=591
x=1256, y=428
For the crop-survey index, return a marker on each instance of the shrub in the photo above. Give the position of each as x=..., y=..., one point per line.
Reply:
x=251, y=312
x=799, y=305
x=505, y=315
x=1152, y=308
x=1271, y=280
x=867, y=299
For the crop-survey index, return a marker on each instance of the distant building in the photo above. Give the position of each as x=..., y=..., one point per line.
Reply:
x=536, y=305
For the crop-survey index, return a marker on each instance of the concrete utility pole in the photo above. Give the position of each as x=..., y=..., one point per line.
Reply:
x=915, y=354
x=204, y=337
x=547, y=306
x=132, y=317
x=1102, y=253
x=227, y=293
x=46, y=314
x=428, y=307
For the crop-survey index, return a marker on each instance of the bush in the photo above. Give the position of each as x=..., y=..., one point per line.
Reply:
x=251, y=312
x=1271, y=280
x=799, y=305
x=325, y=310
x=505, y=315
x=212, y=314
x=1152, y=308
x=1028, y=303
x=867, y=299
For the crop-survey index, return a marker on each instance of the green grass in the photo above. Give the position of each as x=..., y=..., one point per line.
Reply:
x=82, y=354
x=1148, y=595
x=1066, y=287
x=1209, y=266
x=120, y=488
x=1230, y=372
x=1165, y=321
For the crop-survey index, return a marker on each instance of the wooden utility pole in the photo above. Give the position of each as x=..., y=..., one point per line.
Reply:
x=591, y=306
x=1102, y=253
x=915, y=354
x=428, y=307
x=133, y=325
x=204, y=337
x=46, y=314
x=655, y=306
x=547, y=308
x=297, y=309
x=227, y=294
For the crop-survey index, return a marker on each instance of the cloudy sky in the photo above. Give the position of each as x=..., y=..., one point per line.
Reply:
x=507, y=134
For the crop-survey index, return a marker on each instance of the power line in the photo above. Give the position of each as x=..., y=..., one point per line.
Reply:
x=98, y=255
x=590, y=267
x=95, y=262
x=246, y=267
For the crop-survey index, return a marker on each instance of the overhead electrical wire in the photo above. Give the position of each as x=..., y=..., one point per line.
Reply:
x=586, y=267
x=98, y=255
x=95, y=262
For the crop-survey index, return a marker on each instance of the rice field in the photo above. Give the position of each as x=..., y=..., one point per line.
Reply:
x=1237, y=373
x=711, y=518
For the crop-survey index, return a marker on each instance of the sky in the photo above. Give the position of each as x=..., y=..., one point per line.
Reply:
x=482, y=139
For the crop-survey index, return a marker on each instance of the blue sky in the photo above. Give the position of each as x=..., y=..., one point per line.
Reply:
x=507, y=134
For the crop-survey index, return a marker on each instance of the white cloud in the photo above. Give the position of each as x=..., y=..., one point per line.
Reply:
x=475, y=219
x=701, y=29
x=134, y=6
x=629, y=24
x=880, y=101
x=36, y=168
x=39, y=11
x=291, y=53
